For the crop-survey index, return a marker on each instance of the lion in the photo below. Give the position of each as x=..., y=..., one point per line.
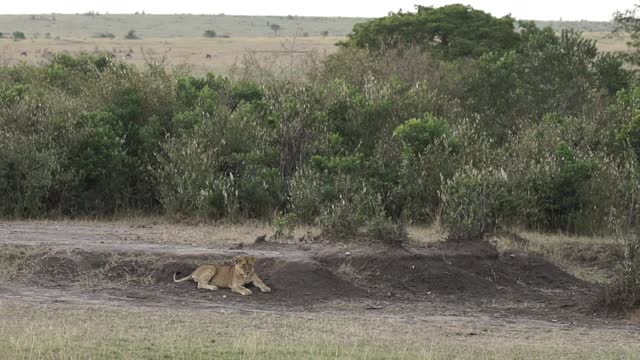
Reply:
x=213, y=277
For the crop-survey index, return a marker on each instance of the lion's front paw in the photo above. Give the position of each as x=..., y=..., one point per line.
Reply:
x=246, y=292
x=265, y=289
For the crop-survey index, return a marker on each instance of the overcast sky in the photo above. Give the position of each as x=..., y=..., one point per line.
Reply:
x=530, y=9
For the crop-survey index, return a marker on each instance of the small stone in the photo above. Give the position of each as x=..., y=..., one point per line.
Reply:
x=347, y=253
x=224, y=296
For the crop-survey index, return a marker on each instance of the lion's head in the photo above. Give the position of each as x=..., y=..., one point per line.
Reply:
x=244, y=265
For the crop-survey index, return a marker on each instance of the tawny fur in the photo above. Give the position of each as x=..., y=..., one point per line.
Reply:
x=234, y=277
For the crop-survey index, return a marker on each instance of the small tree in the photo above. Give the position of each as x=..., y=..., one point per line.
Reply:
x=131, y=35
x=18, y=35
x=210, y=33
x=629, y=21
x=452, y=31
x=275, y=28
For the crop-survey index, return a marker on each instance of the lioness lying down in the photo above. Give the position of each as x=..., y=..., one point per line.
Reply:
x=233, y=276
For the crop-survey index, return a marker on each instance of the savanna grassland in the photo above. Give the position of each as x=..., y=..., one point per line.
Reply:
x=173, y=40
x=31, y=331
x=437, y=184
x=197, y=54
x=178, y=40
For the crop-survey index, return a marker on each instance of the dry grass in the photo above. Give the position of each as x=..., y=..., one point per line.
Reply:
x=158, y=230
x=422, y=235
x=593, y=259
x=172, y=26
x=27, y=263
x=201, y=55
x=15, y=261
x=30, y=331
x=608, y=42
x=201, y=235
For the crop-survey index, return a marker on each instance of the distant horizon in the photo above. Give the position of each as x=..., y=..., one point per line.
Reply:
x=541, y=10
x=97, y=13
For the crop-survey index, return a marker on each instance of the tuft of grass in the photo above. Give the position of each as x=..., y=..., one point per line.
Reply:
x=424, y=235
x=347, y=272
x=17, y=261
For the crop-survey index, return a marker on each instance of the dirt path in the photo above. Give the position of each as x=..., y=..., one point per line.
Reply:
x=131, y=266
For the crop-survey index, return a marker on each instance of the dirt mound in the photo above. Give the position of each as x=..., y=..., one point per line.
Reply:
x=470, y=273
x=299, y=281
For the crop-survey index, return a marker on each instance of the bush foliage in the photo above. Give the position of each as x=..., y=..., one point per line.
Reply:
x=533, y=132
x=451, y=31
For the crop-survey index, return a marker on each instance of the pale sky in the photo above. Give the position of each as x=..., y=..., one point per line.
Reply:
x=530, y=9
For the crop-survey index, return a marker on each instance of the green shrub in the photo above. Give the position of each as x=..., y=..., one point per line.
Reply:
x=383, y=229
x=387, y=232
x=624, y=292
x=623, y=222
x=425, y=143
x=341, y=220
x=209, y=33
x=27, y=172
x=359, y=143
x=131, y=35
x=505, y=88
x=306, y=190
x=555, y=182
x=105, y=35
x=417, y=135
x=476, y=202
x=96, y=155
x=260, y=191
x=18, y=35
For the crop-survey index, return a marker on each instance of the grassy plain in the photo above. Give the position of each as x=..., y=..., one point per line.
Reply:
x=172, y=26
x=177, y=40
x=200, y=55
x=59, y=331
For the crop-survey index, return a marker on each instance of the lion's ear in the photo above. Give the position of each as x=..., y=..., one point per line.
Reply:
x=252, y=259
x=237, y=259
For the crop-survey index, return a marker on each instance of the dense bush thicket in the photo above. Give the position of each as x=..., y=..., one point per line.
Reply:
x=544, y=135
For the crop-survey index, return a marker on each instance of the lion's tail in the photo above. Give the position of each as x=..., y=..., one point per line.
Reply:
x=183, y=279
